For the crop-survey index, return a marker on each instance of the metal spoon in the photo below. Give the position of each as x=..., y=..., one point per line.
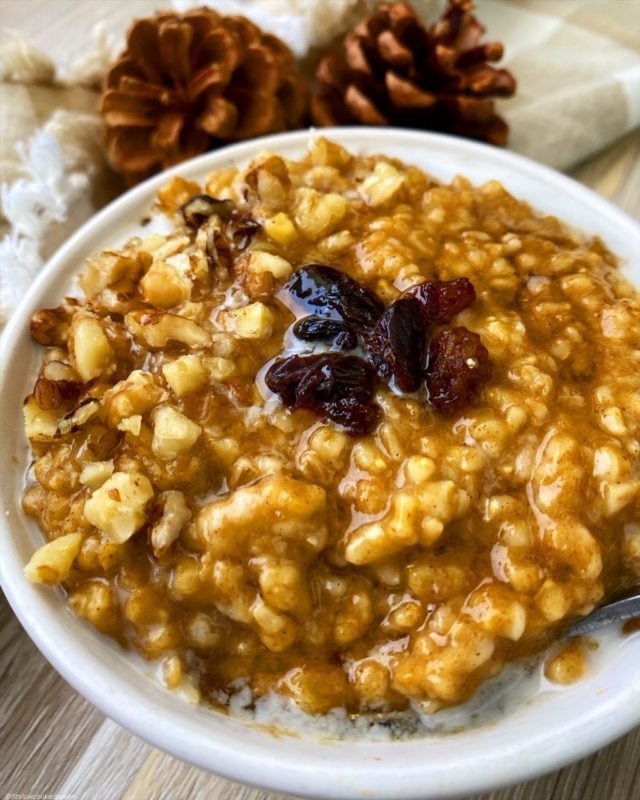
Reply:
x=626, y=607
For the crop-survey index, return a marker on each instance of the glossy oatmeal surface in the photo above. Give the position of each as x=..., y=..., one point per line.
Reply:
x=194, y=517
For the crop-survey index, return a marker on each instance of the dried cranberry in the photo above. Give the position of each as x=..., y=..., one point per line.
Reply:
x=458, y=364
x=442, y=300
x=398, y=344
x=331, y=293
x=335, y=387
x=334, y=331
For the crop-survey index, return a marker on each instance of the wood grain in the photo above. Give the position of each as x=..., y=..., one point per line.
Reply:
x=53, y=742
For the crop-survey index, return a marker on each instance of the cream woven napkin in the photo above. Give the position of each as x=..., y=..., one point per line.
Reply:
x=577, y=63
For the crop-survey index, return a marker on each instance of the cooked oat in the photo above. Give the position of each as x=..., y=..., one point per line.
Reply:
x=192, y=517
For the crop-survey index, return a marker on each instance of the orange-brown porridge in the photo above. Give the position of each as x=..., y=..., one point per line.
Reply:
x=193, y=517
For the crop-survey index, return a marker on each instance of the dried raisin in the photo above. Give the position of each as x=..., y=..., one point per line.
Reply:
x=454, y=364
x=398, y=344
x=327, y=292
x=440, y=301
x=335, y=387
x=333, y=331
x=458, y=364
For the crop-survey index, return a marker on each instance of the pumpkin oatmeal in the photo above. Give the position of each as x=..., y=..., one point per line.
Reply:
x=344, y=434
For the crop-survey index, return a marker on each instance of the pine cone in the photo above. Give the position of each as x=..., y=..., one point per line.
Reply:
x=192, y=82
x=394, y=71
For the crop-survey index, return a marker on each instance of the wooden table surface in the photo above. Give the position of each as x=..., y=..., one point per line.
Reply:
x=54, y=743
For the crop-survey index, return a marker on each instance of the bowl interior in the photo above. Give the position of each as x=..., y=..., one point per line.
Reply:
x=542, y=731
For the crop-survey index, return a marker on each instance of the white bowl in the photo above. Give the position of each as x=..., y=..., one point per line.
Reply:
x=541, y=733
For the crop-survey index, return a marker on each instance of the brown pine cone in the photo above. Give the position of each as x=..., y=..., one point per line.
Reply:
x=394, y=71
x=191, y=82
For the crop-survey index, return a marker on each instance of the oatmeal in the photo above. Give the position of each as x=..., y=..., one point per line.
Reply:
x=345, y=434
x=569, y=664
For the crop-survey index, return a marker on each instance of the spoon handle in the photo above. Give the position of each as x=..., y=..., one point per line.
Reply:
x=612, y=612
